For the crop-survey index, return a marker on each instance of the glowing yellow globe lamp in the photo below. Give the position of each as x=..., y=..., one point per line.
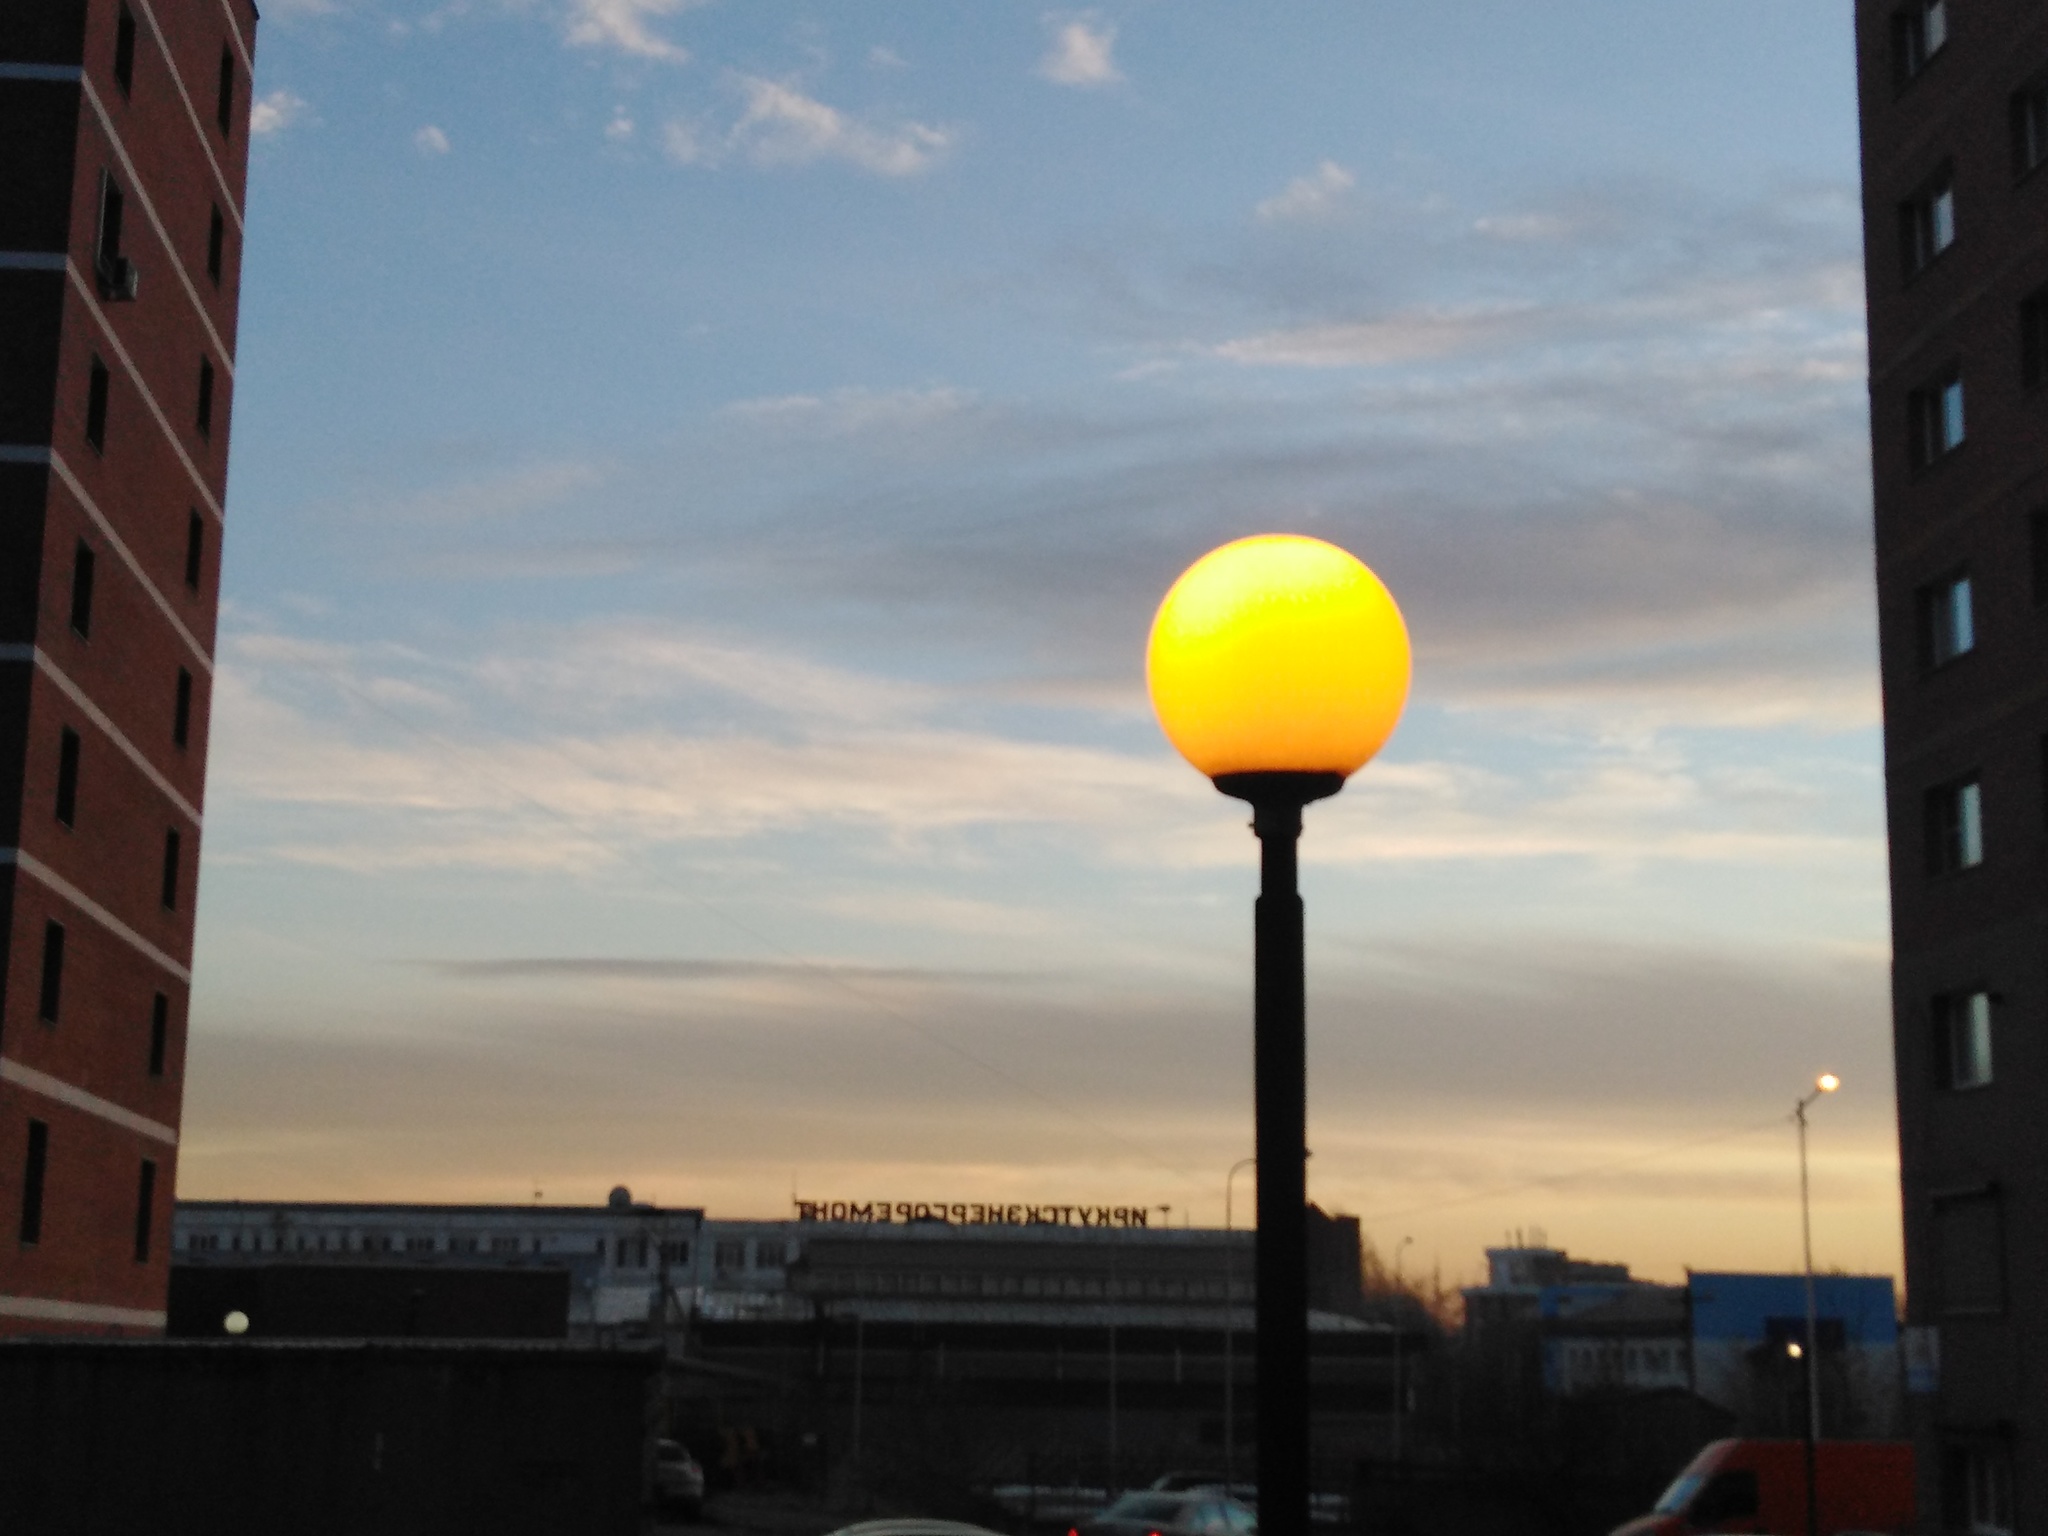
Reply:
x=1278, y=654
x=1278, y=666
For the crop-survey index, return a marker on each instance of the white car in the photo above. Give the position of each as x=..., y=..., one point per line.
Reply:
x=678, y=1480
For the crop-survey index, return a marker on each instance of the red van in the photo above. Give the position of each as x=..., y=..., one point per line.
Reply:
x=1760, y=1486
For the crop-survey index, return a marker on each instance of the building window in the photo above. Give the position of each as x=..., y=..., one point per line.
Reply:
x=96, y=407
x=216, y=245
x=145, y=1210
x=1947, y=620
x=1935, y=415
x=1969, y=1253
x=181, y=711
x=224, y=99
x=124, y=52
x=82, y=563
x=1955, y=826
x=68, y=746
x=107, y=261
x=1962, y=1039
x=159, y=1034
x=205, y=1242
x=2030, y=124
x=1919, y=30
x=50, y=996
x=419, y=1245
x=504, y=1245
x=195, y=548
x=33, y=1167
x=769, y=1253
x=462, y=1245
x=1976, y=1487
x=1927, y=223
x=171, y=852
x=675, y=1253
x=731, y=1253
x=204, y=417
x=2034, y=338
x=2037, y=541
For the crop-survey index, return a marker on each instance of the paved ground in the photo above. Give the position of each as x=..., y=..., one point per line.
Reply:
x=755, y=1514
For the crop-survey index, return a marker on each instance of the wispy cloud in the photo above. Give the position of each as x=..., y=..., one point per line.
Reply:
x=1307, y=198
x=626, y=26
x=430, y=140
x=780, y=124
x=1082, y=52
x=275, y=112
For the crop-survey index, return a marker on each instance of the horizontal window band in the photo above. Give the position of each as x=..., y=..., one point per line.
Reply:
x=23, y=453
x=55, y=1088
x=141, y=191
x=51, y=881
x=92, y=307
x=57, y=72
x=77, y=695
x=48, y=1310
x=191, y=115
x=115, y=542
x=33, y=261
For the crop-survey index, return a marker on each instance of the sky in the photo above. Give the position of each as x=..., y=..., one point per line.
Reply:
x=702, y=476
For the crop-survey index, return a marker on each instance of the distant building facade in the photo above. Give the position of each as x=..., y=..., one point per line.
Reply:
x=124, y=135
x=1954, y=105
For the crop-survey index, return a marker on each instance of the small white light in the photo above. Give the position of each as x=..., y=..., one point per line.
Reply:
x=1827, y=1082
x=236, y=1323
x=1792, y=1348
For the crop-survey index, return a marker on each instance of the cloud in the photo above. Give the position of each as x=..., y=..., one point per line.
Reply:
x=1081, y=52
x=783, y=126
x=620, y=128
x=1414, y=336
x=624, y=25
x=880, y=57
x=1308, y=198
x=430, y=141
x=276, y=112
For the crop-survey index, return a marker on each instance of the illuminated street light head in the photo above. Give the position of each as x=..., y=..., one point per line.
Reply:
x=1278, y=654
x=1827, y=1082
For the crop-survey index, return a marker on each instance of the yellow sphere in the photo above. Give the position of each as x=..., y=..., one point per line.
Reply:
x=1278, y=654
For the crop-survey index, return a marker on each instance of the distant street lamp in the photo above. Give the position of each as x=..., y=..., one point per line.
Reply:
x=1278, y=665
x=1826, y=1083
x=1230, y=1328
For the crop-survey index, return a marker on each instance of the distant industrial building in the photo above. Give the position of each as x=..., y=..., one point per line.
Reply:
x=124, y=136
x=1954, y=101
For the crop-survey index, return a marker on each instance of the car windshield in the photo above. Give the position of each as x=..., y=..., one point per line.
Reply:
x=1145, y=1506
x=1680, y=1493
x=668, y=1450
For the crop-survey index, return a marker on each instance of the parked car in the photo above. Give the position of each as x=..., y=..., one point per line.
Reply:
x=1200, y=1512
x=912, y=1526
x=1760, y=1485
x=678, y=1480
x=1185, y=1482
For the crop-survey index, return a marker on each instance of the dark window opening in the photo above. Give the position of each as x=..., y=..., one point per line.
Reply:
x=171, y=849
x=2030, y=125
x=181, y=714
x=1919, y=31
x=159, y=1034
x=32, y=1170
x=1946, y=619
x=115, y=273
x=205, y=417
x=1955, y=826
x=145, y=1209
x=124, y=52
x=216, y=245
x=50, y=997
x=1935, y=419
x=1962, y=1039
x=1969, y=1254
x=96, y=407
x=224, y=102
x=195, y=548
x=2034, y=338
x=68, y=745
x=82, y=562
x=1927, y=223
x=1976, y=1486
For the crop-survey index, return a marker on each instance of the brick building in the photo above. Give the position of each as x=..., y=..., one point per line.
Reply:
x=123, y=146
x=1955, y=195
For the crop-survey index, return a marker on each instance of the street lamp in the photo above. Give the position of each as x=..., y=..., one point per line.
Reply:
x=1826, y=1083
x=1278, y=665
x=1230, y=1327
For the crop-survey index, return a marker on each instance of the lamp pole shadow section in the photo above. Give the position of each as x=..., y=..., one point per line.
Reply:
x=1280, y=1096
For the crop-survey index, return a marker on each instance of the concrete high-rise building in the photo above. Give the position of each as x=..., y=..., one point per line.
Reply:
x=123, y=147
x=1955, y=197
